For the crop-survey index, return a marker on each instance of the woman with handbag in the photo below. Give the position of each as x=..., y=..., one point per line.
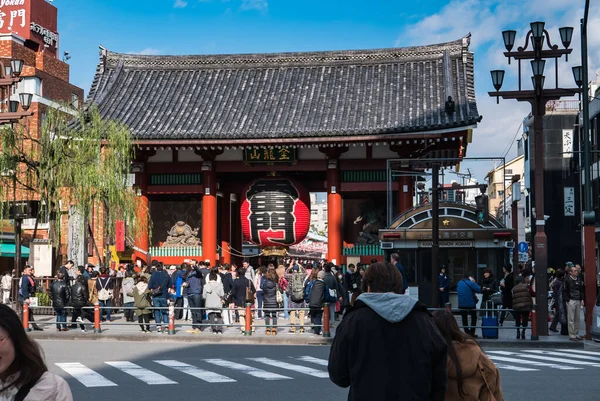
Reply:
x=270, y=289
x=471, y=374
x=142, y=302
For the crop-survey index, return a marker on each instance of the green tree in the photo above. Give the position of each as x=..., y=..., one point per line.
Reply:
x=81, y=162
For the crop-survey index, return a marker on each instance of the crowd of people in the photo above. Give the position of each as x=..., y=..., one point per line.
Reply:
x=210, y=297
x=517, y=296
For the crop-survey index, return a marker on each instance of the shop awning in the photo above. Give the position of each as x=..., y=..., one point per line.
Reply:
x=8, y=251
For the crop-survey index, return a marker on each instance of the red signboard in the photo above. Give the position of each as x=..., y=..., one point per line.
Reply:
x=120, y=236
x=34, y=20
x=275, y=211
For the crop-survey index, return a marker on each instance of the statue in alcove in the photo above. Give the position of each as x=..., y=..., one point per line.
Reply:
x=182, y=234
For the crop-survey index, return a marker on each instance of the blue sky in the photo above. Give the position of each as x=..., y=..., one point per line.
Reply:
x=249, y=26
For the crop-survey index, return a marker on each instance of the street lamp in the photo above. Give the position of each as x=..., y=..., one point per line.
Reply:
x=541, y=50
x=10, y=74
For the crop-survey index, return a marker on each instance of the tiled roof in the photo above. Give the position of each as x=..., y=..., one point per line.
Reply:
x=316, y=94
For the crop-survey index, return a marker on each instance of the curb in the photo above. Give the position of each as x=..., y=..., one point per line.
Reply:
x=530, y=344
x=184, y=339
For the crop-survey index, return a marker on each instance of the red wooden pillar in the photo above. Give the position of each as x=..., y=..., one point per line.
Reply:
x=236, y=231
x=334, y=213
x=142, y=213
x=405, y=193
x=209, y=213
x=226, y=229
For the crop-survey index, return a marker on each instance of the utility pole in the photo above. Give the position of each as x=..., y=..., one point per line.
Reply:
x=588, y=215
x=516, y=197
x=435, y=232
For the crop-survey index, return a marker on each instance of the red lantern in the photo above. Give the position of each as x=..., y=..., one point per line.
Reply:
x=275, y=213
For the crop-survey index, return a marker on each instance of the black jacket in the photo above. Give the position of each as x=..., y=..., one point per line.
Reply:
x=385, y=361
x=491, y=284
x=573, y=289
x=60, y=293
x=227, y=280
x=317, y=295
x=238, y=291
x=79, y=295
x=509, y=283
x=269, y=293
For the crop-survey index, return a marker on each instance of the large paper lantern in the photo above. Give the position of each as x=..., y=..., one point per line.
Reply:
x=275, y=214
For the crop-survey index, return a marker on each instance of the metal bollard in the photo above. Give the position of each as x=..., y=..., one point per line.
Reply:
x=534, y=331
x=26, y=316
x=248, y=328
x=448, y=307
x=171, y=318
x=326, y=332
x=97, y=328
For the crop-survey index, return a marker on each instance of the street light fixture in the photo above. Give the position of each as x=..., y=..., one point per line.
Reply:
x=10, y=74
x=578, y=75
x=538, y=37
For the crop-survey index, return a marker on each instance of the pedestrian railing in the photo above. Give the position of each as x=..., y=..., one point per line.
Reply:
x=248, y=328
x=251, y=323
x=497, y=312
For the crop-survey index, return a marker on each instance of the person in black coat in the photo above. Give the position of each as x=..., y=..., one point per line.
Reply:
x=506, y=286
x=270, y=287
x=28, y=289
x=316, y=300
x=388, y=347
x=60, y=293
x=238, y=295
x=444, y=287
x=488, y=286
x=79, y=299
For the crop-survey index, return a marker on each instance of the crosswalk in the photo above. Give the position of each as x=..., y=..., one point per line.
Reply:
x=534, y=360
x=216, y=370
x=229, y=371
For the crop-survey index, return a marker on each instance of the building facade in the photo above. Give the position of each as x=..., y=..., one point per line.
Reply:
x=562, y=189
x=206, y=126
x=29, y=31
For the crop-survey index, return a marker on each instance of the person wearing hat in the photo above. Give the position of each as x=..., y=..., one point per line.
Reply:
x=316, y=301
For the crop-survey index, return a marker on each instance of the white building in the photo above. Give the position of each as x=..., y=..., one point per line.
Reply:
x=318, y=214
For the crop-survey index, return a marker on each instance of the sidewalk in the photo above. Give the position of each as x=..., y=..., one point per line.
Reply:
x=119, y=330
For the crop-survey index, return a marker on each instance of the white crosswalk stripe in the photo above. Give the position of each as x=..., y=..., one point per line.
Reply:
x=85, y=375
x=528, y=356
x=294, y=368
x=318, y=361
x=250, y=370
x=206, y=375
x=532, y=363
x=145, y=375
x=531, y=360
x=567, y=354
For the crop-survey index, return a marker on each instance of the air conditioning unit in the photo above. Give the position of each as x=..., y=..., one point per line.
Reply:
x=509, y=244
x=387, y=245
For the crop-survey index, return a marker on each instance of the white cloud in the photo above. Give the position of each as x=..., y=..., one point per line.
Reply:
x=254, y=5
x=180, y=4
x=486, y=19
x=149, y=51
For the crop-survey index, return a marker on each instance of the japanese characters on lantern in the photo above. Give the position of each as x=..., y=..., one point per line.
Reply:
x=275, y=212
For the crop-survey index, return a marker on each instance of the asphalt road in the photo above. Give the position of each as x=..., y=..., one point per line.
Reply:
x=99, y=370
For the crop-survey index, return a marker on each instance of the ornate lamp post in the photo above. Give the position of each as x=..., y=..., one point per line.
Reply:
x=10, y=74
x=537, y=38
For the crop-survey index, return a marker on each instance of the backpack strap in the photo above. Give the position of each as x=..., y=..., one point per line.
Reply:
x=25, y=389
